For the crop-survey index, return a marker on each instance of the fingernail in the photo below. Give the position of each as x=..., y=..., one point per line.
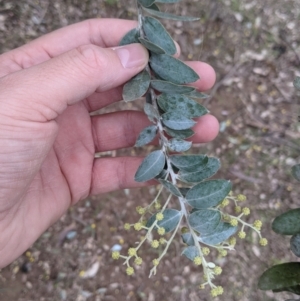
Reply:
x=132, y=56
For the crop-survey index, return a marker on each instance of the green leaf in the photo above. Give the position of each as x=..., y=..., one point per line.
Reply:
x=169, y=16
x=137, y=86
x=196, y=94
x=167, y=87
x=176, y=121
x=205, y=221
x=162, y=175
x=151, y=112
x=280, y=276
x=151, y=166
x=220, y=234
x=171, y=69
x=154, y=7
x=169, y=222
x=146, y=135
x=130, y=38
x=151, y=46
x=146, y=3
x=292, y=289
x=297, y=83
x=287, y=223
x=188, y=239
x=158, y=35
x=296, y=172
x=189, y=162
x=179, y=145
x=208, y=194
x=167, y=1
x=202, y=173
x=295, y=244
x=181, y=104
x=183, y=134
x=191, y=252
x=171, y=187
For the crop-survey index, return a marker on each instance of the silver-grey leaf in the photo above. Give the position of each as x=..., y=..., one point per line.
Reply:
x=151, y=112
x=171, y=187
x=158, y=35
x=179, y=145
x=130, y=38
x=167, y=87
x=182, y=104
x=172, y=70
x=151, y=46
x=182, y=134
x=151, y=166
x=137, y=86
x=177, y=121
x=146, y=135
x=169, y=16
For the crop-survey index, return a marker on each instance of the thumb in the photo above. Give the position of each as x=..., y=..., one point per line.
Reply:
x=50, y=87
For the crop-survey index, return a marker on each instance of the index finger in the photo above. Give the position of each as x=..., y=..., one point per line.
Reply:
x=100, y=32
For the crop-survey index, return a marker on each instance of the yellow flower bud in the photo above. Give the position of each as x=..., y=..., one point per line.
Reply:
x=157, y=206
x=161, y=231
x=242, y=234
x=155, y=244
x=257, y=225
x=115, y=255
x=263, y=242
x=162, y=241
x=159, y=216
x=138, y=226
x=138, y=261
x=241, y=197
x=223, y=252
x=130, y=271
x=155, y=262
x=232, y=241
x=246, y=211
x=132, y=252
x=234, y=222
x=205, y=251
x=127, y=226
x=218, y=270
x=197, y=260
x=238, y=209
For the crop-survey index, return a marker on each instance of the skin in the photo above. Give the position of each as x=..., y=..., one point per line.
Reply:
x=48, y=88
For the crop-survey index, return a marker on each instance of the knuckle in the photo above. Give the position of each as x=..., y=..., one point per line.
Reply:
x=90, y=57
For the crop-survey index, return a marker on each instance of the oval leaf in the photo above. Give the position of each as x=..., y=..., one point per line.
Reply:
x=295, y=244
x=280, y=276
x=146, y=3
x=181, y=104
x=182, y=134
x=296, y=172
x=151, y=166
x=297, y=83
x=137, y=86
x=169, y=16
x=171, y=187
x=171, y=69
x=151, y=46
x=179, y=145
x=188, y=239
x=200, y=174
x=151, y=112
x=130, y=38
x=146, y=135
x=205, y=221
x=169, y=222
x=208, y=194
x=175, y=121
x=191, y=252
x=158, y=35
x=196, y=94
x=288, y=223
x=220, y=234
x=167, y=87
x=189, y=162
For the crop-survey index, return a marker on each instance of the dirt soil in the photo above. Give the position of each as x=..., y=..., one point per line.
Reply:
x=255, y=48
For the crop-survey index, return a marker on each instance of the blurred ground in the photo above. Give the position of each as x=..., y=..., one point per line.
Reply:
x=255, y=48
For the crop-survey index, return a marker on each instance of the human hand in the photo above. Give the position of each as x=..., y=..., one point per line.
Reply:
x=48, y=139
